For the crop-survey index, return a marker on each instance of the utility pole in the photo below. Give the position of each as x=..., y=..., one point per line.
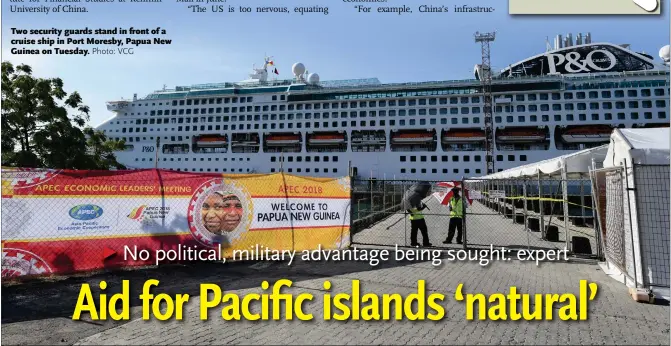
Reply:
x=158, y=146
x=486, y=82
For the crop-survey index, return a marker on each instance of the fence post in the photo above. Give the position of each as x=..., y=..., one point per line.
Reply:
x=464, y=200
x=567, y=231
x=372, y=200
x=540, y=207
x=596, y=210
x=384, y=193
x=158, y=145
x=405, y=219
x=631, y=226
x=524, y=210
x=631, y=222
x=582, y=200
x=351, y=205
x=358, y=209
x=161, y=187
x=644, y=282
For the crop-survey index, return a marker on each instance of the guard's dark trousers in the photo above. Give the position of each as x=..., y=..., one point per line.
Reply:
x=419, y=225
x=455, y=223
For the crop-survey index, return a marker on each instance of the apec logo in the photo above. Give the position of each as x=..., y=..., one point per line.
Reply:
x=86, y=212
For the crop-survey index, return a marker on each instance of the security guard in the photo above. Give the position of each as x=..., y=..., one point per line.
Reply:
x=417, y=223
x=456, y=209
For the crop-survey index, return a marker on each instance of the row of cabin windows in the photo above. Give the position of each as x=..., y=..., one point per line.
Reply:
x=189, y=102
x=445, y=170
x=232, y=170
x=403, y=112
x=392, y=113
x=307, y=170
x=434, y=158
x=402, y=122
x=240, y=170
x=193, y=159
x=580, y=95
x=211, y=101
x=435, y=170
x=583, y=106
x=301, y=158
x=202, y=159
x=581, y=117
x=456, y=158
x=431, y=101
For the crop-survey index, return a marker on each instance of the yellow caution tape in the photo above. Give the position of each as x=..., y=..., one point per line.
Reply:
x=543, y=199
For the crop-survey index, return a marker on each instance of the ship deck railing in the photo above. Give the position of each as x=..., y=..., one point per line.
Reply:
x=329, y=86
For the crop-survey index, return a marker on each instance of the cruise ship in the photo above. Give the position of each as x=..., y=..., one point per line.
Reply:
x=566, y=99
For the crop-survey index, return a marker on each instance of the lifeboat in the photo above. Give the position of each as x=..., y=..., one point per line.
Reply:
x=520, y=135
x=211, y=141
x=464, y=136
x=283, y=139
x=326, y=139
x=412, y=137
x=587, y=134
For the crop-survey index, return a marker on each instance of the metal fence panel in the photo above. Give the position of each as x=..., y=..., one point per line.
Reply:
x=651, y=184
x=533, y=213
x=614, y=211
x=510, y=213
x=380, y=220
x=497, y=216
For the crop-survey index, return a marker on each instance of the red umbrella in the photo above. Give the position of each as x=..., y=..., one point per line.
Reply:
x=445, y=195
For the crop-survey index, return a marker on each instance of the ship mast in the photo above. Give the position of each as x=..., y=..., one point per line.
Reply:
x=486, y=81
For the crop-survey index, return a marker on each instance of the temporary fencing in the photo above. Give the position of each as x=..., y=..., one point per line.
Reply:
x=547, y=214
x=380, y=218
x=65, y=221
x=633, y=209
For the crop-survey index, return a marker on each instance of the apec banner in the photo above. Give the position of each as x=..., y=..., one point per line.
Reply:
x=59, y=221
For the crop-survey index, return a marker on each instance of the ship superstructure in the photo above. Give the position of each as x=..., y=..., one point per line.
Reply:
x=566, y=99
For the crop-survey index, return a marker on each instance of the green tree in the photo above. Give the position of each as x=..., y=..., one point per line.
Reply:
x=43, y=126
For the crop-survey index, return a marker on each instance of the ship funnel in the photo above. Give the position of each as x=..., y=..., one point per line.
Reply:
x=558, y=42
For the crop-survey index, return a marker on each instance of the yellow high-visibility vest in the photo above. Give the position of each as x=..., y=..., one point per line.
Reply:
x=415, y=214
x=457, y=207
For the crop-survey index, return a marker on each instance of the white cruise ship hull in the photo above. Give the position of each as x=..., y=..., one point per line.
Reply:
x=627, y=89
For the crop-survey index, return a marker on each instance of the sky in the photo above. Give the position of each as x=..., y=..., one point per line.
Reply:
x=345, y=44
